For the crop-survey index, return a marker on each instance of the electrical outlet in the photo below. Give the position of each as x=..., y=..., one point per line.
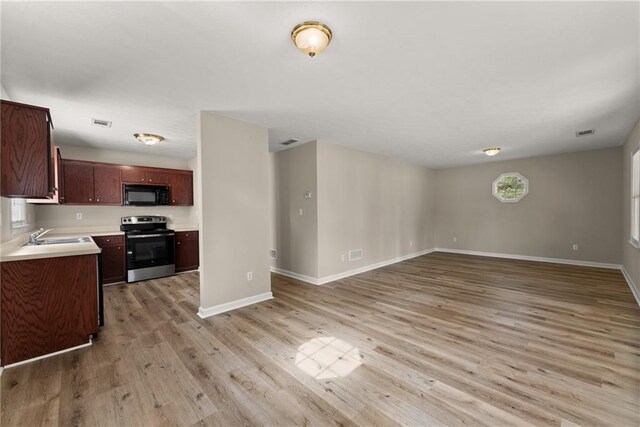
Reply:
x=78, y=215
x=455, y=239
x=307, y=194
x=249, y=276
x=575, y=247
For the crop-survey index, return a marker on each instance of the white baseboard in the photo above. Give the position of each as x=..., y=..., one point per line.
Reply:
x=338, y=276
x=531, y=258
x=46, y=356
x=301, y=277
x=634, y=288
x=228, y=306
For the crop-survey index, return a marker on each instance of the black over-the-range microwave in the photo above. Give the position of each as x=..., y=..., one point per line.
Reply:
x=145, y=195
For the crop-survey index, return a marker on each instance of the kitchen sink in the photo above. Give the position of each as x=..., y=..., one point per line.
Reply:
x=60, y=241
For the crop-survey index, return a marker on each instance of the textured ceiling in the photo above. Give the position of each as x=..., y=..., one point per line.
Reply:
x=432, y=83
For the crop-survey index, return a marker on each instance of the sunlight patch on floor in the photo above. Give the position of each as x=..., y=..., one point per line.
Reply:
x=328, y=357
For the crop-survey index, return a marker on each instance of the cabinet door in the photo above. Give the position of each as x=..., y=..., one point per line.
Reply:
x=78, y=183
x=187, y=251
x=25, y=151
x=157, y=177
x=47, y=305
x=133, y=174
x=181, y=189
x=113, y=264
x=106, y=184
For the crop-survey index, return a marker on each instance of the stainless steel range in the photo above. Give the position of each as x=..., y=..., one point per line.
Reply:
x=150, y=247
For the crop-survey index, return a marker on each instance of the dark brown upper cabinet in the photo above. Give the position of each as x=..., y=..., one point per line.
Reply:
x=142, y=175
x=87, y=183
x=181, y=187
x=107, y=186
x=58, y=190
x=91, y=183
x=25, y=151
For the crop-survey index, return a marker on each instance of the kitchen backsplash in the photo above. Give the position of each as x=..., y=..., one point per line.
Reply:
x=101, y=216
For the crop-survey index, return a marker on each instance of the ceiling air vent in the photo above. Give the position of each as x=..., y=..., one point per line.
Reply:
x=585, y=132
x=101, y=123
x=290, y=141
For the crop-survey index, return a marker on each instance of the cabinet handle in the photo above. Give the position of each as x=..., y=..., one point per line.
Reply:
x=173, y=201
x=91, y=200
x=119, y=247
x=187, y=234
x=178, y=242
x=108, y=240
x=150, y=180
x=97, y=200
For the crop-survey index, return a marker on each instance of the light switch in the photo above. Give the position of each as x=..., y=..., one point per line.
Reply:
x=300, y=211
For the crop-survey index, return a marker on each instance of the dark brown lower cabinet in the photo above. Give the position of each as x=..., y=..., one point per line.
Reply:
x=187, y=251
x=113, y=258
x=48, y=305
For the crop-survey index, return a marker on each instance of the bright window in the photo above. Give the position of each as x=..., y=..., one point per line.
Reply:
x=19, y=213
x=510, y=187
x=635, y=198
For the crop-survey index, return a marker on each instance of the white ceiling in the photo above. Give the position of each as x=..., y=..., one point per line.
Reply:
x=432, y=83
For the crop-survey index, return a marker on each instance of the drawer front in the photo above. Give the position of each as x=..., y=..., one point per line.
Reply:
x=109, y=240
x=186, y=235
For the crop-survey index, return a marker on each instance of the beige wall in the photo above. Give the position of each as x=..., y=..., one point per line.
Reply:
x=296, y=236
x=366, y=201
x=630, y=254
x=234, y=186
x=573, y=198
x=63, y=216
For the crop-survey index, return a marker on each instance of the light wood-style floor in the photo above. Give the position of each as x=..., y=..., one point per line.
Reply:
x=442, y=339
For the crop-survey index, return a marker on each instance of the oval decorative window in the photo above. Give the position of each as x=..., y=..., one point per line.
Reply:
x=510, y=187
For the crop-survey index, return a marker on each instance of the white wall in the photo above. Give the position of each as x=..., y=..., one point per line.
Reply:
x=64, y=216
x=233, y=182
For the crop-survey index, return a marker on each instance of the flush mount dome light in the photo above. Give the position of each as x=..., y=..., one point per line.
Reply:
x=311, y=37
x=148, y=138
x=491, y=151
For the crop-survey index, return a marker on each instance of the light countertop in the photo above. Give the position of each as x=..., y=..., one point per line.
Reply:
x=14, y=250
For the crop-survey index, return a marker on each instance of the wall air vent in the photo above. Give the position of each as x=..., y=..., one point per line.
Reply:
x=355, y=254
x=290, y=141
x=585, y=132
x=101, y=123
x=273, y=253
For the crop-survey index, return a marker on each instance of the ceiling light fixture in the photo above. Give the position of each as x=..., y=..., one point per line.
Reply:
x=311, y=37
x=491, y=151
x=148, y=138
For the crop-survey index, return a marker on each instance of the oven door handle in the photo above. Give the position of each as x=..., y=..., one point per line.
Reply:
x=144, y=236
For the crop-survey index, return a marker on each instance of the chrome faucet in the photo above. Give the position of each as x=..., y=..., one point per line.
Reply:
x=33, y=237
